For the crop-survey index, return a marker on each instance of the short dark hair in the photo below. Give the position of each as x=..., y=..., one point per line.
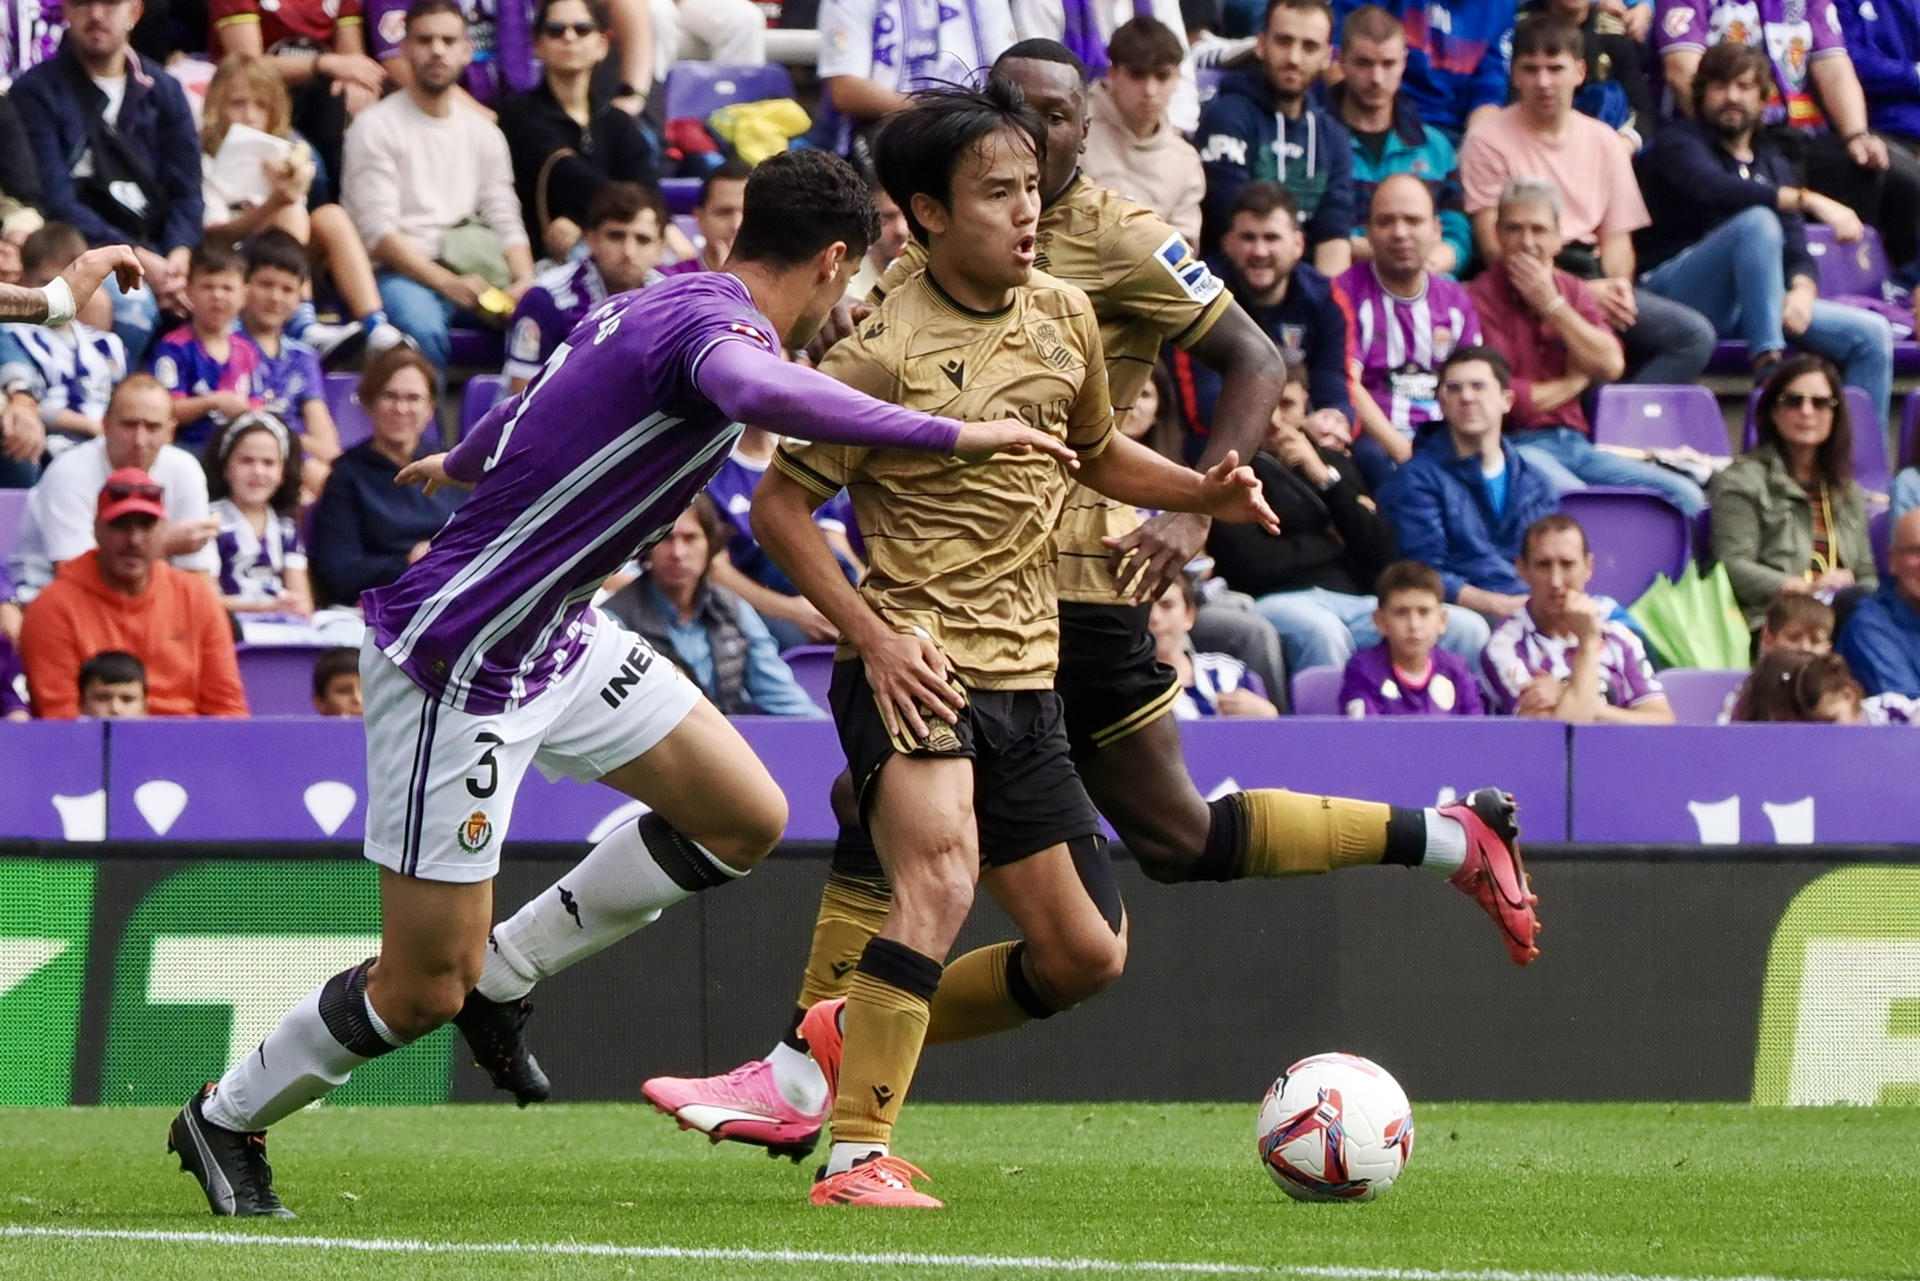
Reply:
x=1040, y=49
x=341, y=660
x=52, y=247
x=1725, y=63
x=220, y=447
x=799, y=202
x=1371, y=22
x=1833, y=460
x=113, y=667
x=1787, y=608
x=1548, y=525
x=1408, y=576
x=597, y=10
x=278, y=249
x=212, y=256
x=1261, y=199
x=1545, y=34
x=732, y=170
x=427, y=8
x=920, y=146
x=1502, y=371
x=1320, y=7
x=623, y=202
x=1144, y=46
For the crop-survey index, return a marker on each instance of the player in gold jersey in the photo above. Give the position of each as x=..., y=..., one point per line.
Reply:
x=943, y=692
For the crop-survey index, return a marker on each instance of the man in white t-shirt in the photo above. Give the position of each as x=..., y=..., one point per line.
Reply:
x=873, y=53
x=57, y=524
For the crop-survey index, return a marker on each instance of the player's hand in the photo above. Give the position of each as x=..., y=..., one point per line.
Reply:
x=909, y=678
x=430, y=471
x=981, y=441
x=1231, y=493
x=1150, y=559
x=85, y=274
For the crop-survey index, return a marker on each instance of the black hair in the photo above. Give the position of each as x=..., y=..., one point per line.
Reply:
x=341, y=660
x=623, y=202
x=1320, y=7
x=1261, y=199
x=427, y=8
x=1408, y=576
x=1545, y=35
x=1833, y=460
x=212, y=256
x=921, y=146
x=1548, y=525
x=1040, y=49
x=1144, y=46
x=52, y=247
x=113, y=667
x=597, y=10
x=1502, y=371
x=220, y=447
x=734, y=170
x=799, y=202
x=278, y=249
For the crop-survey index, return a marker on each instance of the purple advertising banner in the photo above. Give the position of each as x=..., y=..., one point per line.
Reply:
x=1746, y=784
x=53, y=780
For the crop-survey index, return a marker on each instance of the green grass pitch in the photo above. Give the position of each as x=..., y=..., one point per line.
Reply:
x=1595, y=1192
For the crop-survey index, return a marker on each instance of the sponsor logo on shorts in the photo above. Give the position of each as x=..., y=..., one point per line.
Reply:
x=623, y=681
x=476, y=833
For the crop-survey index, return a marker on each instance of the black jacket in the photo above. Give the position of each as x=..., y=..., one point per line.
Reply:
x=612, y=148
x=1328, y=538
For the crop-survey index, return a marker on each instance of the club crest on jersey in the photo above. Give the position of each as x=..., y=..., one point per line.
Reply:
x=1192, y=275
x=1293, y=343
x=476, y=833
x=1047, y=344
x=1442, y=342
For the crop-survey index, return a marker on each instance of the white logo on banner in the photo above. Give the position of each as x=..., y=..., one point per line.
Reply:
x=160, y=803
x=329, y=804
x=1719, y=821
x=83, y=818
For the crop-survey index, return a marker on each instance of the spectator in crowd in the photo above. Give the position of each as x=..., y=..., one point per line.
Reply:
x=20, y=185
x=366, y=528
x=1730, y=236
x=118, y=154
x=1812, y=103
x=1541, y=135
x=1260, y=259
x=208, y=364
x=1154, y=420
x=1560, y=656
x=1087, y=28
x=1457, y=55
x=431, y=191
x=1402, y=324
x=1881, y=640
x=1906, y=481
x=1615, y=91
x=1795, y=686
x=1132, y=148
x=336, y=682
x=1389, y=137
x=567, y=138
x=1261, y=127
x=113, y=687
x=723, y=196
x=317, y=49
x=288, y=380
x=1794, y=621
x=1464, y=501
x=13, y=683
x=1883, y=40
x=881, y=253
x=711, y=634
x=871, y=59
x=732, y=32
x=1405, y=674
x=1787, y=515
x=624, y=223
x=502, y=60
x=57, y=381
x=120, y=595
x=1549, y=326
x=58, y=522
x=253, y=478
x=300, y=201
x=1210, y=684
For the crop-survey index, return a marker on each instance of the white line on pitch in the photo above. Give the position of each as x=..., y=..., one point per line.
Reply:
x=973, y=1262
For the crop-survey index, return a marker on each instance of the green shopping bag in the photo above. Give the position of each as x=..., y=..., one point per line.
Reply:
x=1695, y=622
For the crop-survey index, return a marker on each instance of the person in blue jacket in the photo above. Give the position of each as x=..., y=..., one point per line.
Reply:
x=1881, y=640
x=1883, y=39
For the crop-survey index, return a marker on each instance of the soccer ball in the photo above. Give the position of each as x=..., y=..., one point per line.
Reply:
x=1335, y=1127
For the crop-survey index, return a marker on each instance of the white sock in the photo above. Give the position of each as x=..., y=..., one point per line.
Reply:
x=300, y=1061
x=1446, y=843
x=620, y=886
x=798, y=1078
x=846, y=1155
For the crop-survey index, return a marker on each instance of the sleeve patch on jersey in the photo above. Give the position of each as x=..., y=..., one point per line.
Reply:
x=1192, y=275
x=1678, y=22
x=167, y=372
x=393, y=26
x=748, y=331
x=524, y=345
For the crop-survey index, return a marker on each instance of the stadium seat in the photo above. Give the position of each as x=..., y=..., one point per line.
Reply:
x=482, y=392
x=476, y=348
x=1880, y=535
x=1858, y=269
x=813, y=668
x=1656, y=417
x=1316, y=691
x=1697, y=694
x=698, y=89
x=278, y=678
x=1635, y=536
x=349, y=419
x=1909, y=433
x=1870, y=469
x=12, y=503
x=681, y=195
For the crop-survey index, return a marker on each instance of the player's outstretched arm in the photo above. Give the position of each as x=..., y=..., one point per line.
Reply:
x=1129, y=472
x=72, y=288
x=907, y=672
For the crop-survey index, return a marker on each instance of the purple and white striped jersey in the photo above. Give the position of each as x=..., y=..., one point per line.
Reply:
x=589, y=467
x=1396, y=345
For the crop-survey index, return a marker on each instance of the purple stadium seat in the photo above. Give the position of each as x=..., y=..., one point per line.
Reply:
x=813, y=668
x=698, y=89
x=482, y=392
x=681, y=195
x=1635, y=536
x=1870, y=468
x=1880, y=535
x=12, y=503
x=1316, y=691
x=1655, y=417
x=1858, y=269
x=1910, y=433
x=278, y=678
x=1697, y=694
x=476, y=348
x=349, y=419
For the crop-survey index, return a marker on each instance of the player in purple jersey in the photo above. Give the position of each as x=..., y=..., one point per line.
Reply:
x=486, y=657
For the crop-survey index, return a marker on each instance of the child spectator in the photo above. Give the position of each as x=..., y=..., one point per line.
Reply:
x=1405, y=674
x=1131, y=147
x=336, y=682
x=1210, y=684
x=253, y=478
x=1795, y=622
x=13, y=683
x=113, y=687
x=289, y=382
x=209, y=368
x=63, y=376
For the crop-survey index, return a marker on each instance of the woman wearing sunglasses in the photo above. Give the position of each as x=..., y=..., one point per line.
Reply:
x=1787, y=515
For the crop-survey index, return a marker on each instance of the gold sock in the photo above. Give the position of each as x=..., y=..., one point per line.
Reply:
x=851, y=912
x=885, y=1028
x=973, y=999
x=1295, y=834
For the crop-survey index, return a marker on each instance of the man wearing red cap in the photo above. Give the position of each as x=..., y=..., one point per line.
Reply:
x=122, y=596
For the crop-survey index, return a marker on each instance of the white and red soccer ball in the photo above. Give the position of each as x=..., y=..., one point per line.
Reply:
x=1335, y=1127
